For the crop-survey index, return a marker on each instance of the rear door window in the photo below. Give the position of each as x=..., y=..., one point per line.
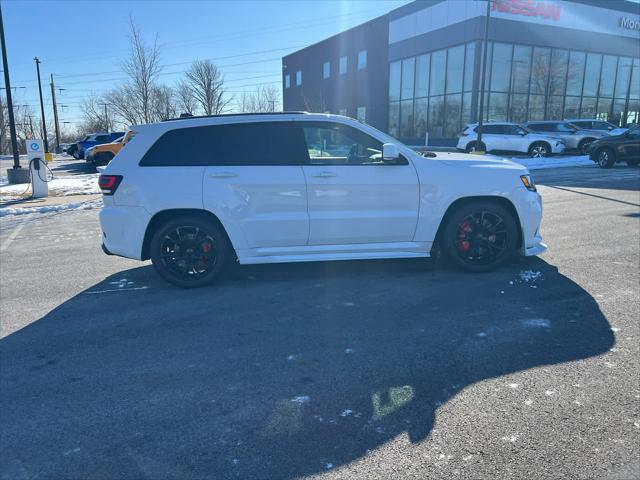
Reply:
x=103, y=138
x=261, y=143
x=583, y=124
x=492, y=129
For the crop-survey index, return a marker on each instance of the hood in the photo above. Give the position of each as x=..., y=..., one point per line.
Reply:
x=466, y=160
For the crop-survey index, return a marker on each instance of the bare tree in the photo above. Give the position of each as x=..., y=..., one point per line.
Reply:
x=124, y=106
x=94, y=114
x=185, y=100
x=314, y=104
x=164, y=103
x=263, y=99
x=207, y=86
x=143, y=67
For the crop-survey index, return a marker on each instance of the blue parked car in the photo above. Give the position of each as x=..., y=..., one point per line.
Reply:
x=91, y=141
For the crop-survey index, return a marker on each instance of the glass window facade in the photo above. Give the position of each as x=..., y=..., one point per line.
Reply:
x=343, y=65
x=433, y=92
x=362, y=59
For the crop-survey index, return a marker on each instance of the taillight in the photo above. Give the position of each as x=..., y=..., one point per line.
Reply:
x=109, y=183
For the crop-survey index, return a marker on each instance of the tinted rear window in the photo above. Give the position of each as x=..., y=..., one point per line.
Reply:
x=264, y=143
x=493, y=129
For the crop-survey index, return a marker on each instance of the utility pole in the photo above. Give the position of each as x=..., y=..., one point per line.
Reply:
x=55, y=113
x=7, y=84
x=106, y=116
x=44, y=122
x=483, y=77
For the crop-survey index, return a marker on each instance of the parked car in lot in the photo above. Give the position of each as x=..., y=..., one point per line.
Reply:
x=621, y=130
x=575, y=138
x=511, y=137
x=102, y=154
x=617, y=148
x=593, y=124
x=194, y=193
x=92, y=140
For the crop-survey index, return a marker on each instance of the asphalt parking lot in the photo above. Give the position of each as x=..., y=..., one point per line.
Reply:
x=358, y=370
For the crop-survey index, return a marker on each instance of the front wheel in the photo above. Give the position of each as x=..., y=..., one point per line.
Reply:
x=473, y=147
x=481, y=236
x=189, y=252
x=538, y=150
x=76, y=154
x=605, y=157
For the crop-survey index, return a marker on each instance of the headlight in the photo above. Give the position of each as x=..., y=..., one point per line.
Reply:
x=528, y=182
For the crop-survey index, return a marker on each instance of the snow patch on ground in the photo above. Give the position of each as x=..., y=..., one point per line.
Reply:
x=86, y=184
x=7, y=211
x=4, y=180
x=530, y=276
x=301, y=399
x=536, y=323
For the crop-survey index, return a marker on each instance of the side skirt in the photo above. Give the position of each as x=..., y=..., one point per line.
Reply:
x=314, y=253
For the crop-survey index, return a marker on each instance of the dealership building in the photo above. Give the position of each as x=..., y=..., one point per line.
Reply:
x=417, y=70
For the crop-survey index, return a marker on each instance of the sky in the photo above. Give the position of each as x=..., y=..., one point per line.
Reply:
x=82, y=43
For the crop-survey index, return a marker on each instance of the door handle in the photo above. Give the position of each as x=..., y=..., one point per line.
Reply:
x=324, y=175
x=223, y=175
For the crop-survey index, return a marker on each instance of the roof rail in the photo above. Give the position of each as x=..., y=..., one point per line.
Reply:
x=186, y=116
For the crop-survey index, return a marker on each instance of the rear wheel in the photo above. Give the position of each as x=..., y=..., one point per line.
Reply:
x=189, y=252
x=539, y=149
x=475, y=147
x=76, y=154
x=605, y=157
x=480, y=236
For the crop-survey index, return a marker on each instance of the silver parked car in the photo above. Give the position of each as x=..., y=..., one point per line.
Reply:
x=575, y=138
x=592, y=124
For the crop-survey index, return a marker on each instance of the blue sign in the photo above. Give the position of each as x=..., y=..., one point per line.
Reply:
x=35, y=146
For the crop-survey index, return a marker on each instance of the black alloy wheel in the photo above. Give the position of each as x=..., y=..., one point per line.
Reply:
x=605, y=158
x=481, y=236
x=189, y=252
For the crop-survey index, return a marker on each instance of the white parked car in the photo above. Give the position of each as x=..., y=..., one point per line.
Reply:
x=194, y=193
x=509, y=137
x=593, y=124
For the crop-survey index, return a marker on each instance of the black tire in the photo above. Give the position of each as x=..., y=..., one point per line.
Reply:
x=582, y=146
x=539, y=149
x=76, y=154
x=480, y=236
x=605, y=157
x=472, y=147
x=633, y=162
x=102, y=158
x=201, y=241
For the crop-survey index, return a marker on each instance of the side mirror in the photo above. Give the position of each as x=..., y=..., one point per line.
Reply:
x=390, y=152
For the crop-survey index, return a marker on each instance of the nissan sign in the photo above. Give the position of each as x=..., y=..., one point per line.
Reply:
x=528, y=8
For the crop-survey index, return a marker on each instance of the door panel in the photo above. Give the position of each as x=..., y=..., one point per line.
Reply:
x=362, y=203
x=266, y=204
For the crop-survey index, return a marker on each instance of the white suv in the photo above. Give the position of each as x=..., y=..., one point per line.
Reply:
x=509, y=137
x=194, y=193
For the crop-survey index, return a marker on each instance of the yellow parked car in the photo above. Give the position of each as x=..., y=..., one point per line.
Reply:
x=102, y=154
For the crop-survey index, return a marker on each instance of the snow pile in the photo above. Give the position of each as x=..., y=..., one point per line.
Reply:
x=6, y=211
x=60, y=186
x=551, y=162
x=530, y=276
x=4, y=180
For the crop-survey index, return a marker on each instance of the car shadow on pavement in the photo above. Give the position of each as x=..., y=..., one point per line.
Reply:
x=277, y=371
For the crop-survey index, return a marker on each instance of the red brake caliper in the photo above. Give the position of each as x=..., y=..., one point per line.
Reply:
x=463, y=244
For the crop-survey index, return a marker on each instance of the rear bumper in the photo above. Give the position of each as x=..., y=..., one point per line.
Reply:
x=123, y=230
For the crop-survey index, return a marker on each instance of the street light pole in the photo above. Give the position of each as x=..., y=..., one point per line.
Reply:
x=7, y=84
x=483, y=77
x=55, y=112
x=44, y=122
